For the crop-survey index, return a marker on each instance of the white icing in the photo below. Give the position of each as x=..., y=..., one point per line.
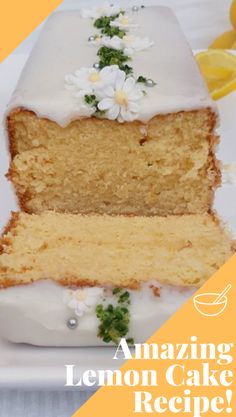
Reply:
x=63, y=48
x=36, y=314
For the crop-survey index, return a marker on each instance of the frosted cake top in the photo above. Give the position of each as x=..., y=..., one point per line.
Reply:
x=111, y=63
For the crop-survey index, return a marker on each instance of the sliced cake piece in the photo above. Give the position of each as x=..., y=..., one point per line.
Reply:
x=118, y=251
x=132, y=138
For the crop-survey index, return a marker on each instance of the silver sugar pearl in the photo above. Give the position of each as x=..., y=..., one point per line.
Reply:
x=96, y=65
x=135, y=8
x=150, y=83
x=91, y=38
x=72, y=323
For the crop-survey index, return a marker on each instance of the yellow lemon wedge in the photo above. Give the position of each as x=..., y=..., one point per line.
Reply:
x=218, y=68
x=232, y=13
x=224, y=41
x=234, y=45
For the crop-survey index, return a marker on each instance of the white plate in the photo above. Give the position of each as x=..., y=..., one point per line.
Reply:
x=23, y=366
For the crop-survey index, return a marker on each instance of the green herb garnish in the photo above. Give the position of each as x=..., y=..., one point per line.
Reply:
x=103, y=23
x=115, y=319
x=124, y=298
x=92, y=101
x=142, y=79
x=109, y=56
x=130, y=341
x=116, y=291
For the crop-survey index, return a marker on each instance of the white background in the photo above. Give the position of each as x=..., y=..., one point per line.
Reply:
x=202, y=21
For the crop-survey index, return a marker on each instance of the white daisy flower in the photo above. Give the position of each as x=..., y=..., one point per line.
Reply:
x=83, y=300
x=87, y=80
x=133, y=44
x=121, y=100
x=123, y=22
x=106, y=9
x=112, y=42
x=128, y=43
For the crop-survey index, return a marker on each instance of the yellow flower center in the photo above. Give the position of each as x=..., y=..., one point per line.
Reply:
x=94, y=77
x=80, y=295
x=124, y=20
x=121, y=98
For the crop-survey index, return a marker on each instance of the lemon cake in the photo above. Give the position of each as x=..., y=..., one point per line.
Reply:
x=76, y=280
x=111, y=115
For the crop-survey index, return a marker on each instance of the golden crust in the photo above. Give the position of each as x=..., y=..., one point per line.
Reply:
x=67, y=282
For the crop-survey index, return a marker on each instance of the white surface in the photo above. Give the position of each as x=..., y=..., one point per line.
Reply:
x=40, y=404
x=169, y=62
x=29, y=367
x=202, y=21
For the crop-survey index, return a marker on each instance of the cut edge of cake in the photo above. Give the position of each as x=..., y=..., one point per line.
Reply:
x=33, y=200
x=178, y=257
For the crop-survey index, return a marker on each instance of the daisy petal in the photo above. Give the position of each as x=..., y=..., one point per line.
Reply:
x=129, y=84
x=134, y=107
x=136, y=94
x=109, y=91
x=126, y=115
x=120, y=79
x=113, y=112
x=105, y=104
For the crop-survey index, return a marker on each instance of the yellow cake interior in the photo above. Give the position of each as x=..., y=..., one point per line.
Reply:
x=164, y=167
x=112, y=250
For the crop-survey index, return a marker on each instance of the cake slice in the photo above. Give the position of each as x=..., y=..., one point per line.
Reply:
x=112, y=250
x=152, y=152
x=94, y=279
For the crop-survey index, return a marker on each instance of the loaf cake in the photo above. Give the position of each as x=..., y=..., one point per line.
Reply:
x=65, y=258
x=112, y=139
x=111, y=115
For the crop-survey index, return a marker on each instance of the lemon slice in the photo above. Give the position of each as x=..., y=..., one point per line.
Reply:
x=232, y=13
x=224, y=41
x=218, y=68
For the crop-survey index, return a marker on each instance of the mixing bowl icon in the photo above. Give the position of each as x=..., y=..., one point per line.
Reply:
x=211, y=304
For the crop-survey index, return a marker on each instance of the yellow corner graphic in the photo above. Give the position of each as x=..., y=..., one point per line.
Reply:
x=19, y=18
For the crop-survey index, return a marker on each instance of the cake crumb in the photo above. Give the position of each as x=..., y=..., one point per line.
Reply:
x=188, y=244
x=156, y=290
